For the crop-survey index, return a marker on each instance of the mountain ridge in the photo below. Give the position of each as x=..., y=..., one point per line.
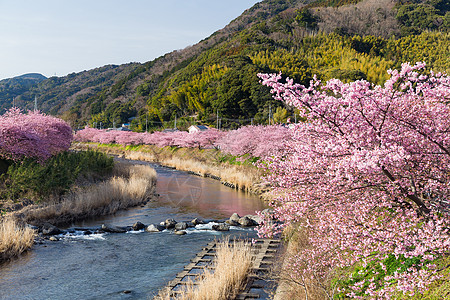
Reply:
x=35, y=76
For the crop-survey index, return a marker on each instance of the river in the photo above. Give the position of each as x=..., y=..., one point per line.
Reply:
x=104, y=266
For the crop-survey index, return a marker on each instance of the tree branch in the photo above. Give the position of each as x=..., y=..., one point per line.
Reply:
x=422, y=207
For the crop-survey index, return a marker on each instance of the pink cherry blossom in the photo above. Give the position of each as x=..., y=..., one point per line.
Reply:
x=366, y=175
x=34, y=135
x=256, y=141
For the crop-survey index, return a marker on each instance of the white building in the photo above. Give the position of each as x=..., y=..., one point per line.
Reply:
x=197, y=128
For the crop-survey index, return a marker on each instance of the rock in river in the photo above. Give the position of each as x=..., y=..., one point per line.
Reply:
x=49, y=229
x=180, y=232
x=232, y=223
x=154, y=228
x=170, y=223
x=113, y=229
x=138, y=226
x=197, y=221
x=257, y=219
x=235, y=217
x=246, y=222
x=221, y=227
x=181, y=226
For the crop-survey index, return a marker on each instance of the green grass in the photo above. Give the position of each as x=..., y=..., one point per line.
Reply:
x=245, y=159
x=129, y=147
x=438, y=290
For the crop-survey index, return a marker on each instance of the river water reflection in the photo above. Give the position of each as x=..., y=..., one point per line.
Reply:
x=104, y=266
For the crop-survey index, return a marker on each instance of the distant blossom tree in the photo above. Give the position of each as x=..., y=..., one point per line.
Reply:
x=32, y=135
x=127, y=138
x=364, y=177
x=257, y=141
x=203, y=139
x=86, y=135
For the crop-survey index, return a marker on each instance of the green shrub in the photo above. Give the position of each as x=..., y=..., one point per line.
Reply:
x=55, y=176
x=4, y=165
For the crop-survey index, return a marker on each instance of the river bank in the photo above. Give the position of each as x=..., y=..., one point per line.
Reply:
x=201, y=162
x=128, y=186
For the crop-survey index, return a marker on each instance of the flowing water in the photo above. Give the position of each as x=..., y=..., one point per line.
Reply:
x=133, y=265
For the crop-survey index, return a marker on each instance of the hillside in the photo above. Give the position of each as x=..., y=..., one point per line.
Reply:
x=347, y=39
x=13, y=87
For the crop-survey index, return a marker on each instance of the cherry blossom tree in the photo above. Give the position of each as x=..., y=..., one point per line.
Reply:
x=127, y=138
x=203, y=139
x=32, y=135
x=86, y=135
x=365, y=177
x=107, y=137
x=257, y=141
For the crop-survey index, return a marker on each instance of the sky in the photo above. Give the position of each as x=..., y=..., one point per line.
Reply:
x=58, y=37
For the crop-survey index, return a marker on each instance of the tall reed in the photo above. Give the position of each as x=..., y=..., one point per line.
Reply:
x=231, y=267
x=14, y=238
x=135, y=186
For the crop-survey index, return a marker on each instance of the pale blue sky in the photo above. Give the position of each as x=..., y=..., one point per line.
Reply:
x=58, y=37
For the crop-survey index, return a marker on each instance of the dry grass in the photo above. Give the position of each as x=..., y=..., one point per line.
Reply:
x=135, y=186
x=243, y=178
x=232, y=265
x=14, y=239
x=134, y=155
x=290, y=286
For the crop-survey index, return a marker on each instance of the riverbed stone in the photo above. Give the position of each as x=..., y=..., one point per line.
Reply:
x=180, y=232
x=170, y=223
x=154, y=228
x=49, y=229
x=221, y=227
x=53, y=239
x=113, y=229
x=232, y=223
x=181, y=226
x=190, y=225
x=245, y=221
x=138, y=226
x=197, y=221
x=32, y=227
x=257, y=219
x=235, y=217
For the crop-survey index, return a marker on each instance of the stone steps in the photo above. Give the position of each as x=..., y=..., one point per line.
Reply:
x=264, y=255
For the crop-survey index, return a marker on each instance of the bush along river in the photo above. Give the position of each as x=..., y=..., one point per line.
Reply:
x=81, y=264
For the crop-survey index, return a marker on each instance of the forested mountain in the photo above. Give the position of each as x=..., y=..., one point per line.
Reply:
x=12, y=87
x=346, y=39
